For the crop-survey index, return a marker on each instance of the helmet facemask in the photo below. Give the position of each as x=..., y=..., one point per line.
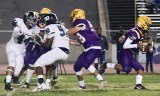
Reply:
x=30, y=19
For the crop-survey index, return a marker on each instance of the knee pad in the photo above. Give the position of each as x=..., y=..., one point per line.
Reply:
x=31, y=67
x=9, y=69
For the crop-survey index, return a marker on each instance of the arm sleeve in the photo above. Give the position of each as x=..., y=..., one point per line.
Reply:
x=128, y=44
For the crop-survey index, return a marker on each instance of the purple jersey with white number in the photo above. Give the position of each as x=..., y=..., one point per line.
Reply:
x=87, y=36
x=128, y=60
x=90, y=41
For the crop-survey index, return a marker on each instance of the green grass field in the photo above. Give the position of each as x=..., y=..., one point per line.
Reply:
x=117, y=85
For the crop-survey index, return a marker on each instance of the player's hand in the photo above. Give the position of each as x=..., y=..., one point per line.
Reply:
x=37, y=38
x=140, y=45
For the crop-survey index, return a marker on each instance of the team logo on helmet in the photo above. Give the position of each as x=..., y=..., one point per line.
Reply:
x=144, y=22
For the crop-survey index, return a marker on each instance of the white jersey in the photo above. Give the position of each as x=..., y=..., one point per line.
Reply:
x=20, y=29
x=60, y=39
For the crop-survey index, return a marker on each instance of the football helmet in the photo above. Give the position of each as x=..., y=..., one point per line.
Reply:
x=30, y=18
x=45, y=11
x=77, y=14
x=48, y=18
x=144, y=22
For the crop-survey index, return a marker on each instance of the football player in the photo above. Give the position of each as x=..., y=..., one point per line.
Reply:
x=33, y=51
x=58, y=40
x=15, y=48
x=132, y=40
x=86, y=36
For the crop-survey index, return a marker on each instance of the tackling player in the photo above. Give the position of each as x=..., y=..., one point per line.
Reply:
x=132, y=40
x=15, y=48
x=86, y=36
x=58, y=40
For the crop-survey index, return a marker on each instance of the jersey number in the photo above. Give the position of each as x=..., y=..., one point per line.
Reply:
x=80, y=38
x=62, y=33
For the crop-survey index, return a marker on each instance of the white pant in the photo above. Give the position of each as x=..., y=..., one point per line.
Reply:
x=15, y=57
x=50, y=57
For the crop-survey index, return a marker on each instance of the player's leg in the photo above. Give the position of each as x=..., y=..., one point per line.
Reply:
x=105, y=65
x=18, y=68
x=89, y=57
x=55, y=73
x=140, y=69
x=48, y=77
x=47, y=59
x=96, y=62
x=30, y=57
x=29, y=73
x=78, y=70
x=10, y=70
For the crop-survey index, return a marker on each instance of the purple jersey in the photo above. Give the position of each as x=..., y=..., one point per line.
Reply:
x=128, y=61
x=134, y=34
x=87, y=36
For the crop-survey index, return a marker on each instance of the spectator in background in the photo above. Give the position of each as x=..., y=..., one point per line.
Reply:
x=119, y=45
x=157, y=6
x=104, y=45
x=149, y=54
x=150, y=5
x=136, y=53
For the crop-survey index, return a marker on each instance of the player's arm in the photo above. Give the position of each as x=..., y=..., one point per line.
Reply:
x=74, y=42
x=46, y=43
x=17, y=34
x=128, y=44
x=76, y=29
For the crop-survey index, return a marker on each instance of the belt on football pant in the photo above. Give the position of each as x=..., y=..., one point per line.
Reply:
x=64, y=50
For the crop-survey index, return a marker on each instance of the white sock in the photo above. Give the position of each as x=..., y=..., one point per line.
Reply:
x=111, y=65
x=91, y=69
x=81, y=83
x=8, y=78
x=29, y=75
x=48, y=80
x=139, y=79
x=40, y=76
x=99, y=77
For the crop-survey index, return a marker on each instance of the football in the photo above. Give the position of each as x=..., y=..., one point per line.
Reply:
x=144, y=47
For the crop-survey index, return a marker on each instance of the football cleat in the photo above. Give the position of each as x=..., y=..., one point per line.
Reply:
x=54, y=81
x=25, y=85
x=16, y=80
x=8, y=86
x=40, y=87
x=139, y=87
x=102, y=68
x=101, y=84
x=82, y=87
x=48, y=85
